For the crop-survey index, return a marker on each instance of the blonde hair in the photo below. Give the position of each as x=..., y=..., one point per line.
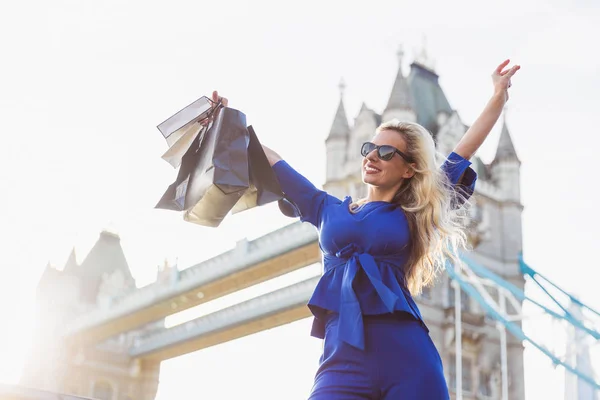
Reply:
x=437, y=227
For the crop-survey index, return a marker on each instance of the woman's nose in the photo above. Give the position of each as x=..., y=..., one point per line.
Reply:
x=372, y=156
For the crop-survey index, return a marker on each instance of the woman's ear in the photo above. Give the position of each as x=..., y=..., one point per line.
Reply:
x=410, y=172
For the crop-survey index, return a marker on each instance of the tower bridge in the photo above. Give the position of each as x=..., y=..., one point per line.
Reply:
x=251, y=262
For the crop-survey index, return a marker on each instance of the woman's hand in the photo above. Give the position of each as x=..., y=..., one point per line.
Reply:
x=479, y=130
x=501, y=79
x=272, y=156
x=216, y=102
x=218, y=99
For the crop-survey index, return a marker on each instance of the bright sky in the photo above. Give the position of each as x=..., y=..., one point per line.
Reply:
x=84, y=84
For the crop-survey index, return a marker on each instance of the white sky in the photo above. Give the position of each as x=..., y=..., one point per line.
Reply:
x=84, y=84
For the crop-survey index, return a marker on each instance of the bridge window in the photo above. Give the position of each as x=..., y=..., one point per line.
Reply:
x=103, y=391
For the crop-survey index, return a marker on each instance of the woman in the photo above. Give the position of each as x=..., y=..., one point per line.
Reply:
x=381, y=250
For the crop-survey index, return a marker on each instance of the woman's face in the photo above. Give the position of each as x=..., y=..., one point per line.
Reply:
x=386, y=174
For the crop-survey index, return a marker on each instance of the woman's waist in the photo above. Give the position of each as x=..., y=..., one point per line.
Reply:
x=366, y=261
x=344, y=292
x=342, y=256
x=328, y=296
x=388, y=271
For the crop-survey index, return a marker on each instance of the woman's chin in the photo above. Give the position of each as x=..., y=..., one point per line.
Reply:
x=370, y=179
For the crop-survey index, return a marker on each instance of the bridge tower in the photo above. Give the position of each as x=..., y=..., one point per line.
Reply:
x=102, y=371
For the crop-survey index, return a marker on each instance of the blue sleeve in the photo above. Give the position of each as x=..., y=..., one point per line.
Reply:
x=461, y=176
x=307, y=199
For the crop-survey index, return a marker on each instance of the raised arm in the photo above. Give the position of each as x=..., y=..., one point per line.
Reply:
x=478, y=132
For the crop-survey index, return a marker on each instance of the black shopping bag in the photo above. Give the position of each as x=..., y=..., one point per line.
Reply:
x=174, y=196
x=264, y=186
x=215, y=160
x=221, y=175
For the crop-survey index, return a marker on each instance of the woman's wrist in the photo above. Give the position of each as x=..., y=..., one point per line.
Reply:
x=499, y=96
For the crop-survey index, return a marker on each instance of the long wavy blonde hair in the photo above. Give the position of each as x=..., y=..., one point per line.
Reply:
x=437, y=226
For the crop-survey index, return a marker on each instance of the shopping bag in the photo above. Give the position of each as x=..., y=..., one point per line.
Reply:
x=264, y=186
x=221, y=175
x=174, y=127
x=174, y=155
x=174, y=196
x=223, y=169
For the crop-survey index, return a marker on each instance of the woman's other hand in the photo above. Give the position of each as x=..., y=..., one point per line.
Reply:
x=502, y=78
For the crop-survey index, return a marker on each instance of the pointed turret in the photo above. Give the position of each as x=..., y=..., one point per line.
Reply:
x=365, y=124
x=366, y=111
x=400, y=104
x=105, y=258
x=340, y=127
x=71, y=265
x=505, y=168
x=336, y=145
x=506, y=148
x=48, y=278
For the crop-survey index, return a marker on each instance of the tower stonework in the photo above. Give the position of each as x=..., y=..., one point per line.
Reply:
x=101, y=371
x=495, y=231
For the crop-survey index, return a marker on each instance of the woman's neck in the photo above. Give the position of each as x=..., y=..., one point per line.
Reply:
x=380, y=194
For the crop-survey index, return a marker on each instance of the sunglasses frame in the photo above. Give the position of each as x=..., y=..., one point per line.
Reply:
x=378, y=148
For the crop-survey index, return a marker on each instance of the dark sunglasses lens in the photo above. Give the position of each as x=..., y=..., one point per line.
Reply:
x=366, y=148
x=386, y=152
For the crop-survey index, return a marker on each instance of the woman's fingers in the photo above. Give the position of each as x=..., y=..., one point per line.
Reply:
x=502, y=77
x=218, y=99
x=512, y=71
x=500, y=67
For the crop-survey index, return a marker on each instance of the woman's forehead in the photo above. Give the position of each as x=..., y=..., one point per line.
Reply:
x=390, y=137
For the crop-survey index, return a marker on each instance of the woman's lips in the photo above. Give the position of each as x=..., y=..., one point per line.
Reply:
x=370, y=169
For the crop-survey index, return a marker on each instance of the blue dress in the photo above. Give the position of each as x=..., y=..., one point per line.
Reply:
x=364, y=254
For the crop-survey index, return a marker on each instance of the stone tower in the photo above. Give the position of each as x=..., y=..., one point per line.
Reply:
x=495, y=233
x=102, y=371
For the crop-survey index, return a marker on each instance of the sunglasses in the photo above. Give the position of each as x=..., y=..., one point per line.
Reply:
x=384, y=152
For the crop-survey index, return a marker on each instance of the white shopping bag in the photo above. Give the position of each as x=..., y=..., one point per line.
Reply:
x=177, y=150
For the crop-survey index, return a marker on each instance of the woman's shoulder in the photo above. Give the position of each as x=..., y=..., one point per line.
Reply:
x=333, y=200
